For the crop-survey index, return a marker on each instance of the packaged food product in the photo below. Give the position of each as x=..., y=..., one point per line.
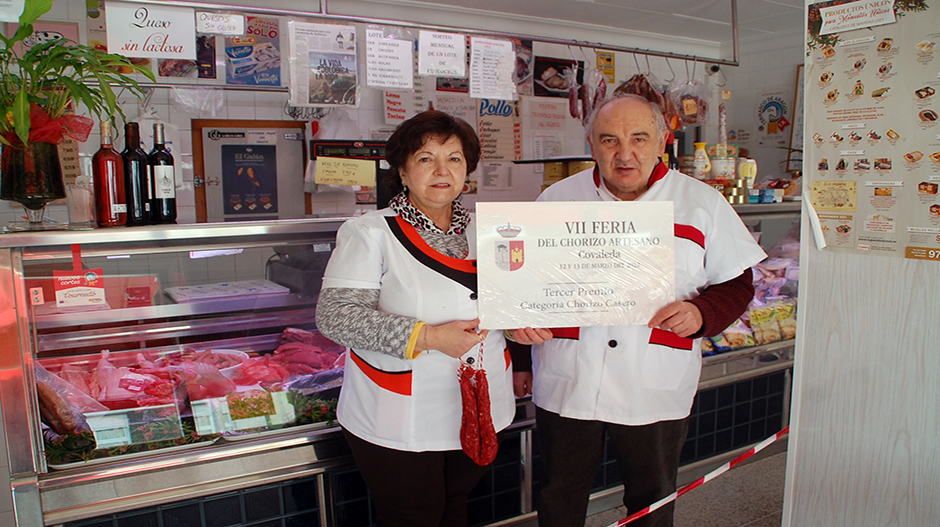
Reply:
x=735, y=336
x=914, y=156
x=764, y=325
x=786, y=318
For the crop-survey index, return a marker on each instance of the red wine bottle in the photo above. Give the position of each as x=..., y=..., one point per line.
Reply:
x=138, y=190
x=163, y=205
x=108, y=176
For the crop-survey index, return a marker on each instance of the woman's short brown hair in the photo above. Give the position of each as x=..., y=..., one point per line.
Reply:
x=412, y=134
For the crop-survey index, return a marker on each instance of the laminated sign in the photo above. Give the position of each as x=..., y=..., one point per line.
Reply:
x=565, y=264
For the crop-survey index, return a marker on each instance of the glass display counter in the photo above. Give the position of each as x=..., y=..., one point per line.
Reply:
x=167, y=434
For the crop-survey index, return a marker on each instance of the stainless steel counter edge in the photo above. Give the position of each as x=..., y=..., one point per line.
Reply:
x=163, y=233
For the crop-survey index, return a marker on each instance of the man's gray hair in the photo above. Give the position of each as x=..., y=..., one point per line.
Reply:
x=657, y=112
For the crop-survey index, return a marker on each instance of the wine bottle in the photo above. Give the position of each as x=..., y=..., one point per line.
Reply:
x=163, y=205
x=108, y=176
x=673, y=151
x=138, y=189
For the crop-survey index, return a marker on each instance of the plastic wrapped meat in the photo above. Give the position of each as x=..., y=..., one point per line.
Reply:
x=314, y=338
x=121, y=387
x=309, y=355
x=640, y=85
x=204, y=381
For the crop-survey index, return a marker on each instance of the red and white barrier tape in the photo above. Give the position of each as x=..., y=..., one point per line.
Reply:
x=701, y=481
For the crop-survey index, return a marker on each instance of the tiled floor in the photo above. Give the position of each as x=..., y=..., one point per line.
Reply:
x=750, y=495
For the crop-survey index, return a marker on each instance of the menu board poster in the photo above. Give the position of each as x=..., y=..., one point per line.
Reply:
x=500, y=130
x=872, y=145
x=249, y=179
x=255, y=59
x=323, y=65
x=492, y=66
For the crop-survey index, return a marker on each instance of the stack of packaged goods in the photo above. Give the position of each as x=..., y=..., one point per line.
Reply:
x=771, y=315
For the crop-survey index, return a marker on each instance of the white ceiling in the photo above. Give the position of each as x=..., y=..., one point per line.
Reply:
x=692, y=27
x=703, y=19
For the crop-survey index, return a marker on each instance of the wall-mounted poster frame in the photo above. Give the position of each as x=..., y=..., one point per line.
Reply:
x=795, y=150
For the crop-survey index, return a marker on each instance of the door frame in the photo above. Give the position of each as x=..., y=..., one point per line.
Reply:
x=199, y=167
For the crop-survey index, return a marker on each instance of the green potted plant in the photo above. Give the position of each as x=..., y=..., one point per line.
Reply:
x=40, y=88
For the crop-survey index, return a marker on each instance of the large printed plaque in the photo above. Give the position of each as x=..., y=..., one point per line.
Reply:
x=568, y=263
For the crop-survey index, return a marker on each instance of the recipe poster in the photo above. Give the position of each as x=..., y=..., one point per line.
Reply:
x=249, y=179
x=872, y=145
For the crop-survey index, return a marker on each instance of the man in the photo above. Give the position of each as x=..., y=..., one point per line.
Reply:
x=636, y=383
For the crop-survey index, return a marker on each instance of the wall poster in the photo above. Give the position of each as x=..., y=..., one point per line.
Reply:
x=249, y=179
x=872, y=151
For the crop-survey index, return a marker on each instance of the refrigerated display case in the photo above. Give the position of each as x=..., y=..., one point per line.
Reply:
x=138, y=362
x=300, y=464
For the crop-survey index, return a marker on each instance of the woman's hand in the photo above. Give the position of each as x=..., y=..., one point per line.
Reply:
x=531, y=336
x=453, y=338
x=682, y=318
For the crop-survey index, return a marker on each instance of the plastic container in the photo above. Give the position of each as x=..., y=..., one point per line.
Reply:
x=702, y=165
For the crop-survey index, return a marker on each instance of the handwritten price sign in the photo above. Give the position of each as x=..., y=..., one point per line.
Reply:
x=339, y=171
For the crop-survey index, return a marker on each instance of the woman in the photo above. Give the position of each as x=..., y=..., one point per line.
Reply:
x=400, y=291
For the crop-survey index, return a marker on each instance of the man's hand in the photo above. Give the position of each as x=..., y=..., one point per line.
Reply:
x=682, y=318
x=522, y=383
x=531, y=336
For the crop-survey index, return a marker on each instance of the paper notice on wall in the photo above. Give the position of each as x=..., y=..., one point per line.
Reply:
x=228, y=24
x=460, y=106
x=442, y=54
x=323, y=65
x=343, y=171
x=491, y=66
x=255, y=59
x=497, y=176
x=403, y=105
x=10, y=10
x=546, y=146
x=389, y=61
x=151, y=31
x=856, y=15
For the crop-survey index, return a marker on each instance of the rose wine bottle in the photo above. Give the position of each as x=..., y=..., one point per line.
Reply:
x=138, y=189
x=108, y=175
x=163, y=205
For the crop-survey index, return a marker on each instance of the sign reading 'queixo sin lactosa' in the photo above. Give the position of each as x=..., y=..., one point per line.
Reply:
x=151, y=31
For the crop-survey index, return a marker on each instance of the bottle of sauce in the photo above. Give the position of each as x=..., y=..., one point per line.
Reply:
x=701, y=162
x=163, y=205
x=138, y=189
x=108, y=176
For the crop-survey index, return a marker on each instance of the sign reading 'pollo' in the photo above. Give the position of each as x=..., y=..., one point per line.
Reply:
x=151, y=31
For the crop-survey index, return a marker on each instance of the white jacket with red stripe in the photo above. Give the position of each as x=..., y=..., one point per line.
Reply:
x=634, y=375
x=412, y=405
